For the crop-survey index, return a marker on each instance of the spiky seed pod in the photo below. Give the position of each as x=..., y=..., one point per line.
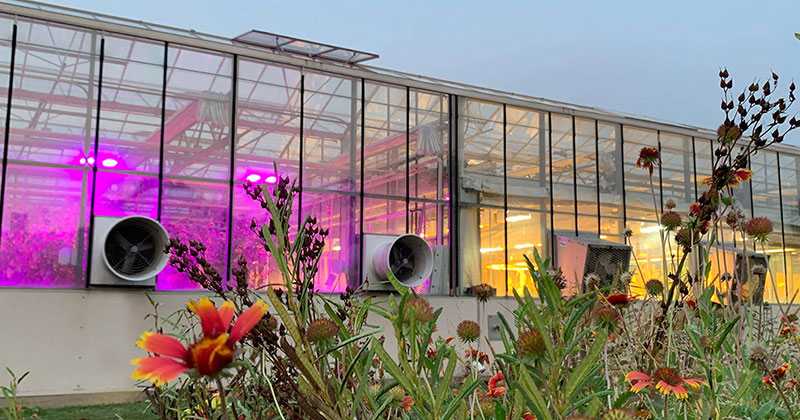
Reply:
x=468, y=331
x=397, y=393
x=670, y=220
x=483, y=292
x=685, y=237
x=321, y=329
x=706, y=342
x=486, y=405
x=759, y=229
x=271, y=322
x=619, y=414
x=760, y=356
x=421, y=309
x=530, y=343
x=592, y=281
x=607, y=317
x=654, y=287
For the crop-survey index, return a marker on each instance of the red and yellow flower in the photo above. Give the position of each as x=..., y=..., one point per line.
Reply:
x=209, y=355
x=648, y=158
x=666, y=380
x=618, y=299
x=407, y=403
x=528, y=416
x=496, y=388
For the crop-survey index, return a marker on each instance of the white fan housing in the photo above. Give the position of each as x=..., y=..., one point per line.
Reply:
x=408, y=256
x=127, y=251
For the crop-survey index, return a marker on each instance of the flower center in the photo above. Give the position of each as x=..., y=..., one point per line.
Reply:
x=668, y=375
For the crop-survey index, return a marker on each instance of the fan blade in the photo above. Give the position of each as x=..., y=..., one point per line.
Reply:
x=143, y=240
x=127, y=263
x=121, y=240
x=145, y=246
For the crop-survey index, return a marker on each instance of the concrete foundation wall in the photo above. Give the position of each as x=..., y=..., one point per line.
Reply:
x=82, y=341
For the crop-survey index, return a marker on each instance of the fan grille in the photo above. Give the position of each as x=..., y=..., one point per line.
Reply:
x=130, y=248
x=402, y=261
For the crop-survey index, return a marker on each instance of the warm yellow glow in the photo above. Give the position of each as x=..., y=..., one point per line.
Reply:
x=650, y=229
x=603, y=236
x=503, y=267
x=523, y=246
x=494, y=249
x=778, y=250
x=336, y=248
x=518, y=218
x=481, y=226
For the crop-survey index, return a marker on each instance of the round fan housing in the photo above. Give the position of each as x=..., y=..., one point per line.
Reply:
x=409, y=258
x=133, y=249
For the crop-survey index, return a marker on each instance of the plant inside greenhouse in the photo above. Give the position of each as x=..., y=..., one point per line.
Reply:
x=696, y=343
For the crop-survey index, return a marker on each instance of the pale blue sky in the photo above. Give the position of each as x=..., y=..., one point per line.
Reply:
x=658, y=59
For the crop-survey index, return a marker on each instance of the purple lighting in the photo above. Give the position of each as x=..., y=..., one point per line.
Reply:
x=90, y=160
x=253, y=177
x=272, y=179
x=109, y=162
x=83, y=161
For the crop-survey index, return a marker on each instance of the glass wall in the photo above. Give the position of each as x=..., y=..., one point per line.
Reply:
x=103, y=124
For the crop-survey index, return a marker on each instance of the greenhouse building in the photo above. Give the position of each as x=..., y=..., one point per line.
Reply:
x=105, y=117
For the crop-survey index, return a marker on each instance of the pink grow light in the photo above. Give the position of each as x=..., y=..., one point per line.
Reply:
x=109, y=162
x=272, y=179
x=253, y=177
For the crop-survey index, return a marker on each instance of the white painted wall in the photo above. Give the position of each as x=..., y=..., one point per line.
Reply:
x=82, y=341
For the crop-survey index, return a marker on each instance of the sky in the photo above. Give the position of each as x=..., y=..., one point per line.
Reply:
x=655, y=59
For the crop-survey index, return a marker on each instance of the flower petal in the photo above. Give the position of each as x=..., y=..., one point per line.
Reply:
x=640, y=376
x=226, y=311
x=680, y=392
x=158, y=369
x=209, y=317
x=162, y=345
x=694, y=383
x=247, y=320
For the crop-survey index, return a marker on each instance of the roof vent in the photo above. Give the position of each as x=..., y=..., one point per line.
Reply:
x=303, y=48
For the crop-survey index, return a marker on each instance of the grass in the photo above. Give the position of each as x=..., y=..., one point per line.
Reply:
x=129, y=411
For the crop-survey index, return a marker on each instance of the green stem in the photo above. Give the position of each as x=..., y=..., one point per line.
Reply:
x=223, y=404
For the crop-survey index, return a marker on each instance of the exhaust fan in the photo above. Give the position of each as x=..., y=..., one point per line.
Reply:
x=127, y=251
x=408, y=256
x=578, y=257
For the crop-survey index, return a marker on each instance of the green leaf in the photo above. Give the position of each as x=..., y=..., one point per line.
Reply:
x=797, y=35
x=726, y=329
x=391, y=366
x=447, y=379
x=351, y=366
x=530, y=392
x=580, y=372
x=382, y=408
x=465, y=390
x=355, y=338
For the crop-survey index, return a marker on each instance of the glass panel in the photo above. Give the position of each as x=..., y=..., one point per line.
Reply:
x=609, y=162
x=268, y=122
x=383, y=215
x=766, y=203
x=527, y=170
x=197, y=153
x=267, y=133
x=198, y=114
x=6, y=28
x=481, y=152
x=640, y=208
x=586, y=180
x=331, y=132
x=790, y=180
x=54, y=102
x=120, y=195
x=130, y=114
x=44, y=233
x=54, y=98
x=385, y=150
x=482, y=238
x=527, y=230
x=429, y=165
x=704, y=164
x=338, y=266
x=562, y=171
x=677, y=171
